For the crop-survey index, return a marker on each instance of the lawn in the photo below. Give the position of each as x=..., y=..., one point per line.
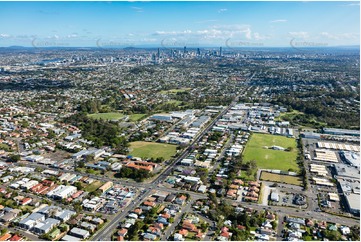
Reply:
x=93, y=186
x=293, y=180
x=268, y=158
x=175, y=90
x=136, y=117
x=107, y=116
x=152, y=150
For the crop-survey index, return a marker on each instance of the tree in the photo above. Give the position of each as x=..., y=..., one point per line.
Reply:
x=14, y=158
x=274, y=224
x=89, y=158
x=80, y=164
x=38, y=169
x=51, y=134
x=204, y=226
x=355, y=233
x=332, y=235
x=63, y=229
x=4, y=231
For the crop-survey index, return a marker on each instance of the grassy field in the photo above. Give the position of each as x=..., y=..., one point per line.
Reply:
x=136, y=117
x=152, y=150
x=288, y=115
x=271, y=159
x=246, y=177
x=175, y=90
x=176, y=102
x=93, y=186
x=293, y=180
x=107, y=116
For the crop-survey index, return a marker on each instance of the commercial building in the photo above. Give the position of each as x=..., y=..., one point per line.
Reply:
x=62, y=192
x=144, y=165
x=161, y=117
x=275, y=196
x=351, y=158
x=310, y=135
x=351, y=190
x=341, y=131
x=353, y=203
x=192, y=179
x=108, y=185
x=343, y=170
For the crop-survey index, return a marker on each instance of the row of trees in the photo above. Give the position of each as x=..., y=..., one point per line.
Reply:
x=138, y=175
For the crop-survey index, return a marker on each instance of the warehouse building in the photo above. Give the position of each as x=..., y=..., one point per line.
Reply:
x=341, y=131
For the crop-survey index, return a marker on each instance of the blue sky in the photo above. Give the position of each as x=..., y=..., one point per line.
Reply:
x=176, y=24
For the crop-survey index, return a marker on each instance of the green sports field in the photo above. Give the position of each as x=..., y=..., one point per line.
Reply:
x=174, y=91
x=271, y=159
x=152, y=150
x=136, y=117
x=107, y=116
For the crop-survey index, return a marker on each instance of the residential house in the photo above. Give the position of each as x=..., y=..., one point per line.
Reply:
x=122, y=232
x=79, y=233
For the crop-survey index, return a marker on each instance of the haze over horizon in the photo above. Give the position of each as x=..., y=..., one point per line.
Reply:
x=177, y=24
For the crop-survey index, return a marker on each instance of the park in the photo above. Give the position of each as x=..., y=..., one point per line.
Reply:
x=152, y=150
x=257, y=149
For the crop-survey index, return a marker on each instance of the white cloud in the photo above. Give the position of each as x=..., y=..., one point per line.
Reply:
x=138, y=10
x=279, y=21
x=301, y=34
x=70, y=36
x=343, y=36
x=222, y=10
x=4, y=36
x=172, y=32
x=217, y=32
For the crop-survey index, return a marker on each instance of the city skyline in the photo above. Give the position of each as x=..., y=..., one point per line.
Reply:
x=178, y=24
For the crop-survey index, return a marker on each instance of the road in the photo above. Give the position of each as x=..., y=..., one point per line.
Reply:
x=25, y=234
x=106, y=231
x=177, y=219
x=225, y=147
x=280, y=226
x=301, y=213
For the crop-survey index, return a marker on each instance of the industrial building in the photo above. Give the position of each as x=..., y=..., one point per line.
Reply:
x=351, y=158
x=325, y=155
x=334, y=131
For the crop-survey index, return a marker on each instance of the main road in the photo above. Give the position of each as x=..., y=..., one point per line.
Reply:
x=106, y=232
